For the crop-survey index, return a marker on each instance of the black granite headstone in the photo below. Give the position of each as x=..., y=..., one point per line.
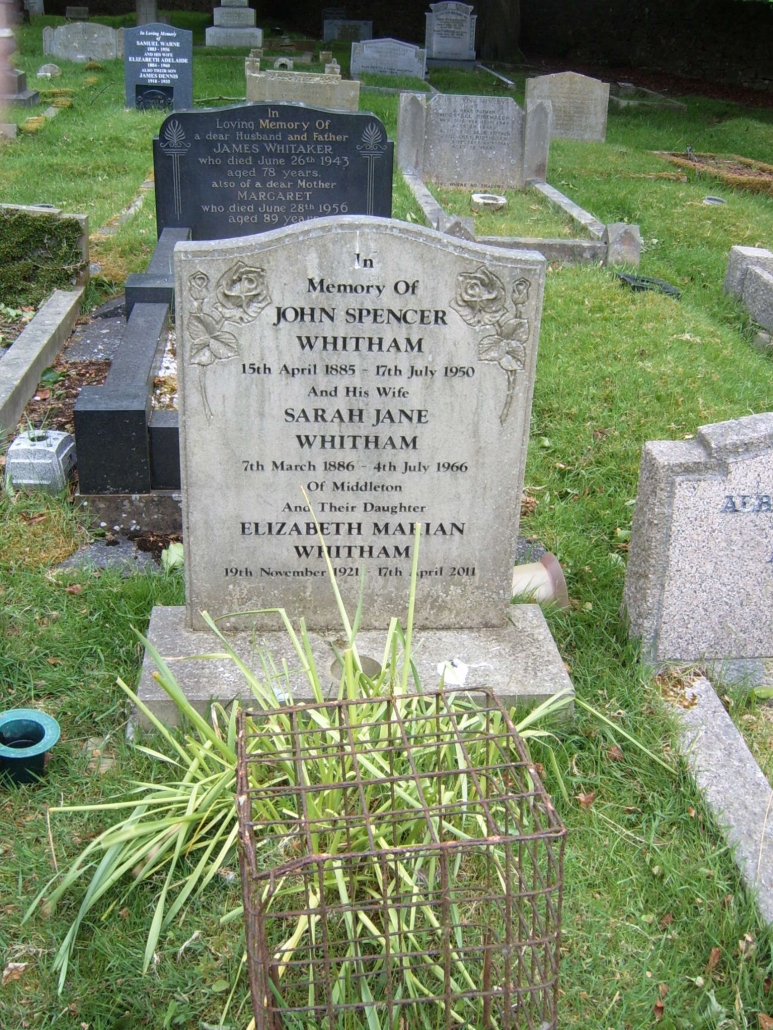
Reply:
x=158, y=67
x=235, y=171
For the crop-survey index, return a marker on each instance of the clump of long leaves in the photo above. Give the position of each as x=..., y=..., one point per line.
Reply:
x=186, y=828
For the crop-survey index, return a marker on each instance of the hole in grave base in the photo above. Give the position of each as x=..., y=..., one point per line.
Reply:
x=21, y=733
x=37, y=435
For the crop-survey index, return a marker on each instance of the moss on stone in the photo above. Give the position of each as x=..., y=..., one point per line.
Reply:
x=39, y=253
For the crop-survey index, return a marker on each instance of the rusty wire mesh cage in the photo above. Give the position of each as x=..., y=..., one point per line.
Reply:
x=402, y=867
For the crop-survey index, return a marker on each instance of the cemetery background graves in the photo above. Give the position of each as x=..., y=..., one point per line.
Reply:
x=652, y=887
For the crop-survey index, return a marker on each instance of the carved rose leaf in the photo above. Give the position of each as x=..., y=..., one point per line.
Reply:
x=202, y=326
x=224, y=345
x=201, y=353
x=480, y=297
x=492, y=348
x=515, y=359
x=514, y=329
x=242, y=293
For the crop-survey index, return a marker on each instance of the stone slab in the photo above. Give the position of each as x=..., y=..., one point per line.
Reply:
x=81, y=41
x=388, y=370
x=147, y=12
x=461, y=140
x=735, y=788
x=450, y=32
x=584, y=218
x=330, y=92
x=387, y=57
x=623, y=243
x=346, y=29
x=579, y=104
x=234, y=17
x=158, y=62
x=536, y=140
x=758, y=295
x=568, y=252
x=740, y=261
x=158, y=512
x=519, y=662
x=699, y=584
x=32, y=351
x=249, y=38
x=346, y=168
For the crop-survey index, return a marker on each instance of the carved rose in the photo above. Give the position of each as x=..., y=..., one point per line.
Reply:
x=242, y=293
x=480, y=297
x=197, y=285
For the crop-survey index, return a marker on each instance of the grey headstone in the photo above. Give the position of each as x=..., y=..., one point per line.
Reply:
x=579, y=104
x=325, y=56
x=283, y=63
x=83, y=41
x=623, y=243
x=450, y=32
x=740, y=261
x=158, y=67
x=388, y=57
x=35, y=6
x=758, y=295
x=340, y=28
x=234, y=17
x=536, y=140
x=233, y=37
x=699, y=583
x=49, y=71
x=460, y=226
x=289, y=87
x=385, y=368
x=461, y=140
x=76, y=13
x=147, y=12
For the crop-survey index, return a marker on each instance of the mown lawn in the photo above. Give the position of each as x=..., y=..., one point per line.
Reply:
x=656, y=922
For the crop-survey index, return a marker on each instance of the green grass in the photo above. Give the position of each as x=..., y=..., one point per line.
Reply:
x=651, y=887
x=528, y=213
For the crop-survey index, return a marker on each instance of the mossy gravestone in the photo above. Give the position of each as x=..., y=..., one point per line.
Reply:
x=40, y=252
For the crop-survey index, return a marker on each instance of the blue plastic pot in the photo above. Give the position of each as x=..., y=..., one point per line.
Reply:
x=25, y=736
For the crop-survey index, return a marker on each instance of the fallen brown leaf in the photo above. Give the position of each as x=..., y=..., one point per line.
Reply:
x=713, y=961
x=663, y=990
x=660, y=1008
x=586, y=800
x=13, y=971
x=766, y=1023
x=615, y=754
x=54, y=661
x=75, y=588
x=32, y=520
x=667, y=920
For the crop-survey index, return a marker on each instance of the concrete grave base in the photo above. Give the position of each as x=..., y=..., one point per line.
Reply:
x=734, y=786
x=519, y=662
